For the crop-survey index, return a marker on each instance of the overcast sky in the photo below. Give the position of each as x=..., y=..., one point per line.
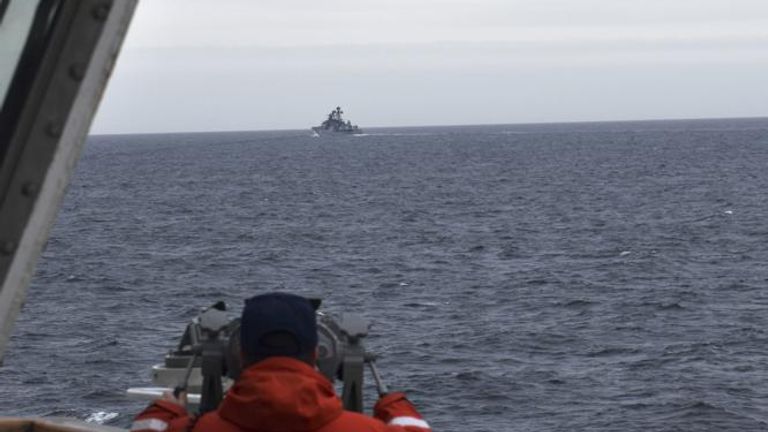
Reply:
x=191, y=65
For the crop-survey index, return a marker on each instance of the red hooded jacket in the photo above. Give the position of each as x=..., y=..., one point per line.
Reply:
x=281, y=394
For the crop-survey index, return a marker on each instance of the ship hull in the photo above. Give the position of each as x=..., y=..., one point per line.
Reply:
x=322, y=131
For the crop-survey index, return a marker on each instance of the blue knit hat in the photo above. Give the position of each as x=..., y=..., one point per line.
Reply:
x=277, y=312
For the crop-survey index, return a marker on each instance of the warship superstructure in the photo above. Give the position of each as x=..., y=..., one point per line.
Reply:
x=335, y=123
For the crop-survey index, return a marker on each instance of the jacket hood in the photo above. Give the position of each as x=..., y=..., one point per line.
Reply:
x=281, y=394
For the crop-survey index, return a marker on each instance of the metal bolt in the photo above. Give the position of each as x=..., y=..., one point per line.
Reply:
x=54, y=128
x=7, y=247
x=77, y=71
x=101, y=12
x=29, y=189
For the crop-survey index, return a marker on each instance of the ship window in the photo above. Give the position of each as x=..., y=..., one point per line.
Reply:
x=24, y=33
x=15, y=22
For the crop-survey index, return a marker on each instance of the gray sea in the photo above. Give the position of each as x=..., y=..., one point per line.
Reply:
x=560, y=277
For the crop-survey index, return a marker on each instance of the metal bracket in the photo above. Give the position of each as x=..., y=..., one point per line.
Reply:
x=48, y=135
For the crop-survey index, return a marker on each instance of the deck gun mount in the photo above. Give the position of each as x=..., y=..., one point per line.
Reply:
x=207, y=359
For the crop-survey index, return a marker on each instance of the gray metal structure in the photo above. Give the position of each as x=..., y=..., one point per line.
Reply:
x=57, y=83
x=335, y=123
x=209, y=350
x=354, y=328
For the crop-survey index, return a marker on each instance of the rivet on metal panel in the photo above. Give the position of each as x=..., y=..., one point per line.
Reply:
x=54, y=128
x=77, y=71
x=7, y=247
x=29, y=189
x=101, y=12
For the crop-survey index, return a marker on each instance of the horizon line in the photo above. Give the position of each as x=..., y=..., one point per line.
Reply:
x=541, y=123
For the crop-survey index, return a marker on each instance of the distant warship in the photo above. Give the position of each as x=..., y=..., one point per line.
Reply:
x=336, y=124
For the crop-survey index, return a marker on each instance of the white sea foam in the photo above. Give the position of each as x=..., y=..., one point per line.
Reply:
x=398, y=134
x=101, y=417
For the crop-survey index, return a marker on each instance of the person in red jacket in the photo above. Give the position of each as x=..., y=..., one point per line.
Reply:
x=280, y=390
